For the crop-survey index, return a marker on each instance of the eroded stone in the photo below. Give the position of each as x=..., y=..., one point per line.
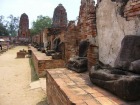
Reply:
x=125, y=80
x=79, y=63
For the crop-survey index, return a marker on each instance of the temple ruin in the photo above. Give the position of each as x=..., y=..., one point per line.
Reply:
x=103, y=45
x=23, y=32
x=59, y=17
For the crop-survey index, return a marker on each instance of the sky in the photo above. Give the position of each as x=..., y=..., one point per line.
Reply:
x=34, y=8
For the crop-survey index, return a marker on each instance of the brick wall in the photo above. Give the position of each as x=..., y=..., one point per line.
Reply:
x=55, y=95
x=38, y=64
x=132, y=9
x=41, y=62
x=24, y=26
x=87, y=21
x=92, y=56
x=41, y=37
x=36, y=39
x=87, y=27
x=51, y=64
x=70, y=40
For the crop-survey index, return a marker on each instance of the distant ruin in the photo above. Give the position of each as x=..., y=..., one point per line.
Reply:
x=23, y=32
x=59, y=17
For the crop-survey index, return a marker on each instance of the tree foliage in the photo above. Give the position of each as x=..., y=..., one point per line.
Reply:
x=41, y=23
x=13, y=25
x=3, y=30
x=9, y=26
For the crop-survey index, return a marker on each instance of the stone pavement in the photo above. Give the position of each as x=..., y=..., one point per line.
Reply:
x=16, y=87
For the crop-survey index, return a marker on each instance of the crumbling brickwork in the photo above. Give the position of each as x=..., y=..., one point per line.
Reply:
x=86, y=21
x=59, y=17
x=112, y=26
x=23, y=26
x=42, y=62
x=87, y=28
x=92, y=56
x=132, y=9
x=71, y=44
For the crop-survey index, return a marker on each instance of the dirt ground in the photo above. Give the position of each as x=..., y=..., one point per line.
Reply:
x=15, y=81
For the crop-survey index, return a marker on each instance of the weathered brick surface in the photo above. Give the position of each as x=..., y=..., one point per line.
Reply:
x=41, y=62
x=21, y=53
x=59, y=17
x=65, y=87
x=92, y=56
x=36, y=39
x=87, y=27
x=24, y=26
x=87, y=22
x=70, y=39
x=132, y=9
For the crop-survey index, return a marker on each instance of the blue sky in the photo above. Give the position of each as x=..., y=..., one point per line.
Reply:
x=34, y=8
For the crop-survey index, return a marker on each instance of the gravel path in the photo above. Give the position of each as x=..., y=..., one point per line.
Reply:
x=15, y=80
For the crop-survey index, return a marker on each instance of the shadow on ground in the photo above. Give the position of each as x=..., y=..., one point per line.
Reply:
x=34, y=76
x=43, y=102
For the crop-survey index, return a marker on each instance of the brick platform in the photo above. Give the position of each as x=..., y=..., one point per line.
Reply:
x=65, y=87
x=21, y=54
x=41, y=62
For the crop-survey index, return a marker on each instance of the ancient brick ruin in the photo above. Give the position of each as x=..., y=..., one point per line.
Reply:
x=71, y=41
x=117, y=24
x=24, y=26
x=58, y=27
x=104, y=26
x=59, y=17
x=132, y=9
x=86, y=22
x=23, y=32
x=85, y=29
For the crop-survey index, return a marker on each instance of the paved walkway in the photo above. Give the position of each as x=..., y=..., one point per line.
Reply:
x=16, y=87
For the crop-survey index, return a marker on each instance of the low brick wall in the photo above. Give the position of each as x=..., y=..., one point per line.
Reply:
x=65, y=87
x=55, y=95
x=41, y=62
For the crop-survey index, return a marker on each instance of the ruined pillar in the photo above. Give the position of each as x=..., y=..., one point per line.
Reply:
x=87, y=29
x=70, y=41
x=23, y=31
x=87, y=19
x=59, y=17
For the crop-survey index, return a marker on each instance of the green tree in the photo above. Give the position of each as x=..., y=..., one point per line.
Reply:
x=12, y=25
x=3, y=30
x=1, y=18
x=41, y=23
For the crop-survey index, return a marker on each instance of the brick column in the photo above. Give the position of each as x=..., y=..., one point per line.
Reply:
x=92, y=56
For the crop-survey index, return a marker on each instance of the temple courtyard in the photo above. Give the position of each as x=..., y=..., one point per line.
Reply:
x=18, y=82
x=21, y=85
